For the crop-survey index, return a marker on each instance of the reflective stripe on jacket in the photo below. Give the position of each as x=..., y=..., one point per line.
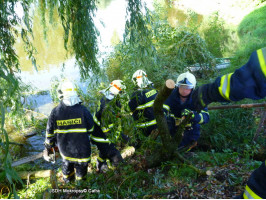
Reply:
x=68, y=127
x=100, y=132
x=141, y=104
x=173, y=107
x=256, y=185
x=249, y=81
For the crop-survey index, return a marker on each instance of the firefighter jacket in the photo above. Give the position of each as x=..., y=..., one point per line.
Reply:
x=141, y=104
x=68, y=127
x=102, y=127
x=249, y=81
x=174, y=108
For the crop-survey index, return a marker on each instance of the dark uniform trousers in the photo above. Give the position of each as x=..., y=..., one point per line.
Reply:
x=107, y=150
x=69, y=172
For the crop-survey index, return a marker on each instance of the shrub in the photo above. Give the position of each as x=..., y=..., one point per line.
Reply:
x=216, y=35
x=251, y=31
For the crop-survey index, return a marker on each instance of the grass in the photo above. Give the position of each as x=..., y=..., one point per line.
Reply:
x=229, y=169
x=251, y=31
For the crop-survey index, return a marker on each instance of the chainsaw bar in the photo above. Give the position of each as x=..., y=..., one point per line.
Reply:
x=27, y=159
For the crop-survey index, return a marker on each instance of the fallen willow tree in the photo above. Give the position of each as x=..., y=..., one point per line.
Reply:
x=168, y=148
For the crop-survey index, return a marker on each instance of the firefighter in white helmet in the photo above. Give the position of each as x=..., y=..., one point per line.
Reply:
x=141, y=104
x=68, y=127
x=179, y=104
x=140, y=79
x=110, y=103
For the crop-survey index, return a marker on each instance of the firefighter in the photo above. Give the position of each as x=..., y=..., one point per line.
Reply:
x=109, y=156
x=141, y=103
x=249, y=81
x=179, y=104
x=68, y=127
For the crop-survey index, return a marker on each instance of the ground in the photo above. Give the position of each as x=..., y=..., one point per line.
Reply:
x=227, y=176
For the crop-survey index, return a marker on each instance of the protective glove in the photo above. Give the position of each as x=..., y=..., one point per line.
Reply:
x=186, y=112
x=49, y=154
x=101, y=165
x=195, y=117
x=116, y=158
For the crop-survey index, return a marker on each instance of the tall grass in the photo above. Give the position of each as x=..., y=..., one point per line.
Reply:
x=252, y=35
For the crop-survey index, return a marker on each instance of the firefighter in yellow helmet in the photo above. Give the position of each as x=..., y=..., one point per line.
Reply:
x=69, y=126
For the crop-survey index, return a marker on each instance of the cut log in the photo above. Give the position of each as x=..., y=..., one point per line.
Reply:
x=35, y=174
x=127, y=152
x=28, y=135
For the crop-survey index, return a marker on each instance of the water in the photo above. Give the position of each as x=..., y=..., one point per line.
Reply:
x=53, y=62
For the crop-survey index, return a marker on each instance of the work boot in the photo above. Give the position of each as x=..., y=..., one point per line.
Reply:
x=116, y=158
x=101, y=165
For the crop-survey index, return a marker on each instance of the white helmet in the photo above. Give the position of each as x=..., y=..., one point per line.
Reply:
x=186, y=79
x=116, y=86
x=140, y=79
x=114, y=89
x=68, y=92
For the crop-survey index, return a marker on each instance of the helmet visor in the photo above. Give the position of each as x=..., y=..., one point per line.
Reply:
x=185, y=86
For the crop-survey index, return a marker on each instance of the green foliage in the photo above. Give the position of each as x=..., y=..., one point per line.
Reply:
x=183, y=47
x=216, y=35
x=183, y=172
x=80, y=31
x=10, y=88
x=252, y=33
x=54, y=88
x=229, y=129
x=35, y=191
x=217, y=158
x=159, y=49
x=253, y=24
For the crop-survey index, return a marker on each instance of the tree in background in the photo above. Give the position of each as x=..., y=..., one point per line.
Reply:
x=80, y=38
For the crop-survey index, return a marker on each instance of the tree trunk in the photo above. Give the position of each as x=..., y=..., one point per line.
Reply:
x=169, y=147
x=170, y=144
x=159, y=114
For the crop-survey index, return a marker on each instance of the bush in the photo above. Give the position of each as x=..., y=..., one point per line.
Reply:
x=216, y=35
x=251, y=31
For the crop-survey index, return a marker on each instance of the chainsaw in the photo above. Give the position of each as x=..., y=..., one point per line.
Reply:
x=48, y=157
